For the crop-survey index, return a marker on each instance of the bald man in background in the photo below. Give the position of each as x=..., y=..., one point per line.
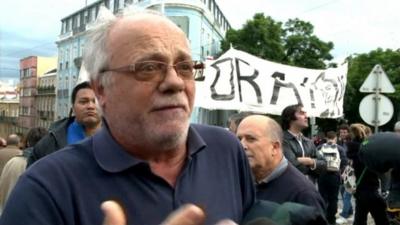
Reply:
x=10, y=151
x=277, y=180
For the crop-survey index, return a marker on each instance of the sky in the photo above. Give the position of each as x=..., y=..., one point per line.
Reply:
x=354, y=26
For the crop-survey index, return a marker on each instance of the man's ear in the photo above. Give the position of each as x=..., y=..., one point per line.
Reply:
x=276, y=147
x=98, y=91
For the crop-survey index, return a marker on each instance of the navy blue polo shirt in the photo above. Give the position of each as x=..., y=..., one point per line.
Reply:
x=68, y=186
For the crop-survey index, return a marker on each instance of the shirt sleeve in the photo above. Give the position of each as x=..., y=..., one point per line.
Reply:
x=313, y=199
x=36, y=205
x=9, y=177
x=247, y=182
x=292, y=158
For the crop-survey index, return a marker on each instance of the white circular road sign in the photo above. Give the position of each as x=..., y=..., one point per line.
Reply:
x=367, y=109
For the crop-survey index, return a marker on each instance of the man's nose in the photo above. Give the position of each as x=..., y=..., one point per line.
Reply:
x=172, y=81
x=91, y=104
x=243, y=142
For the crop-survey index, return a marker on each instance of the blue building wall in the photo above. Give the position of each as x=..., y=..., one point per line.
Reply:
x=69, y=52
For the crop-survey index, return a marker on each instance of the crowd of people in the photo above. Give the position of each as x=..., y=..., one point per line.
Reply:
x=128, y=154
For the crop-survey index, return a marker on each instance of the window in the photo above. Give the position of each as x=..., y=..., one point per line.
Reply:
x=67, y=25
x=81, y=48
x=73, y=22
x=75, y=51
x=82, y=19
x=77, y=20
x=116, y=5
x=107, y=4
x=63, y=27
x=182, y=22
x=88, y=15
x=93, y=14
x=97, y=9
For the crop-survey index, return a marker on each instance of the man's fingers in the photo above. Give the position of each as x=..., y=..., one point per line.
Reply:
x=226, y=222
x=186, y=215
x=114, y=214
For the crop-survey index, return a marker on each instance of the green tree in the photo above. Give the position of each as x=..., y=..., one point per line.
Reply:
x=261, y=37
x=293, y=44
x=303, y=48
x=359, y=68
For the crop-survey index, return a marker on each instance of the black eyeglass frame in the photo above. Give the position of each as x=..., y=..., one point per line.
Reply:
x=155, y=71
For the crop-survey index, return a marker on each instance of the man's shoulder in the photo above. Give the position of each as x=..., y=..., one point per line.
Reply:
x=287, y=135
x=67, y=158
x=297, y=179
x=217, y=138
x=61, y=123
x=207, y=128
x=52, y=140
x=213, y=132
x=10, y=150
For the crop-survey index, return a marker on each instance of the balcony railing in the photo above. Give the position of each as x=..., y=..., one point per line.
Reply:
x=8, y=119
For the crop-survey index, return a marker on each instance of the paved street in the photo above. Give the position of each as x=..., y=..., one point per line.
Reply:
x=350, y=222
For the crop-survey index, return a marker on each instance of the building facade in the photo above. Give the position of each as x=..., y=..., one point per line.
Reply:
x=202, y=21
x=45, y=99
x=9, y=106
x=30, y=68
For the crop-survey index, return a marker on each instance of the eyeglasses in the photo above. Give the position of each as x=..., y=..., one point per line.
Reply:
x=155, y=71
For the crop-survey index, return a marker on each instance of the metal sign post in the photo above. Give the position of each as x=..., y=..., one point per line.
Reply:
x=377, y=82
x=376, y=98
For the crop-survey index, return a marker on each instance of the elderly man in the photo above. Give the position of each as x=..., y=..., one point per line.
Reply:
x=147, y=157
x=277, y=180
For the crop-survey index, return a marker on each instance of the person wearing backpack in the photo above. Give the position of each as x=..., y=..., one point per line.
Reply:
x=368, y=199
x=329, y=180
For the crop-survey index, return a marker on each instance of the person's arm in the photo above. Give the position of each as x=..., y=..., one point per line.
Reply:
x=343, y=158
x=188, y=214
x=311, y=198
x=33, y=207
x=292, y=158
x=247, y=181
x=320, y=162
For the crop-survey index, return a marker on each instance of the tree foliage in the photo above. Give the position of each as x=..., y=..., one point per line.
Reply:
x=303, y=48
x=292, y=43
x=360, y=67
x=261, y=37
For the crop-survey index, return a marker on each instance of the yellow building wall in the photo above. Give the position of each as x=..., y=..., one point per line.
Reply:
x=45, y=64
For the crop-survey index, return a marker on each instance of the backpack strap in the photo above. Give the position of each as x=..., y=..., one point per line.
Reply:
x=362, y=175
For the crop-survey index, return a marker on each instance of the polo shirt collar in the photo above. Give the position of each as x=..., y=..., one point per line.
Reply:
x=113, y=158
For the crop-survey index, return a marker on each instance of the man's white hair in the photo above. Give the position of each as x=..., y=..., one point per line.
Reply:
x=95, y=55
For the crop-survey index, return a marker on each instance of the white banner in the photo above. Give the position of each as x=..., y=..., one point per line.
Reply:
x=240, y=81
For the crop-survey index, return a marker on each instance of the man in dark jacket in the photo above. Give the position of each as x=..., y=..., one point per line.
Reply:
x=299, y=150
x=72, y=129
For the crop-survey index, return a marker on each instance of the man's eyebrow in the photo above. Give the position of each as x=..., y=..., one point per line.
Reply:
x=152, y=56
x=182, y=55
x=86, y=98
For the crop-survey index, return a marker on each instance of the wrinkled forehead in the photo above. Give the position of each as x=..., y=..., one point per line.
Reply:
x=145, y=33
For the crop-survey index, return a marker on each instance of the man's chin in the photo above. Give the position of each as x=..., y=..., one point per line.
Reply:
x=91, y=121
